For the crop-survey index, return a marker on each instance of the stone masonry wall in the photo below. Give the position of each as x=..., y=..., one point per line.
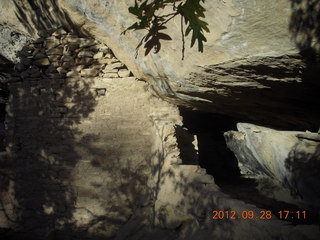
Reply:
x=80, y=136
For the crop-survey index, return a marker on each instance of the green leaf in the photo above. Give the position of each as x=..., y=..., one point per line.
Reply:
x=192, y=12
x=188, y=30
x=135, y=10
x=144, y=4
x=150, y=17
x=164, y=36
x=203, y=25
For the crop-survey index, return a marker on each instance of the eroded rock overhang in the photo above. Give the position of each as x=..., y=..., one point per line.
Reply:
x=274, y=91
x=251, y=68
x=256, y=66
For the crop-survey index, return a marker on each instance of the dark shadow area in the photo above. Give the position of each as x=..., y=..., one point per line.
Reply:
x=305, y=25
x=2, y=126
x=214, y=155
x=6, y=69
x=305, y=29
x=186, y=144
x=303, y=164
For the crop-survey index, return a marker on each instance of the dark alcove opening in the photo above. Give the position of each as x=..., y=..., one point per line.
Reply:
x=4, y=94
x=6, y=70
x=2, y=127
x=212, y=154
x=206, y=131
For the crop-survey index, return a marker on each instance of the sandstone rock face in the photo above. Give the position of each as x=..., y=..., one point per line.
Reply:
x=251, y=65
x=237, y=32
x=10, y=43
x=290, y=159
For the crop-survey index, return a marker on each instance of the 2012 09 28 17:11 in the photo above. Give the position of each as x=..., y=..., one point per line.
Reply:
x=262, y=214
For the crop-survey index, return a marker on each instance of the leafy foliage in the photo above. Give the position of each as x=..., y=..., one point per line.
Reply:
x=150, y=18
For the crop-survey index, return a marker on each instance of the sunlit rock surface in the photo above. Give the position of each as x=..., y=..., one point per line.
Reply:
x=11, y=42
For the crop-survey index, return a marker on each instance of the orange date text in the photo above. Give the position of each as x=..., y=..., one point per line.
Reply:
x=246, y=214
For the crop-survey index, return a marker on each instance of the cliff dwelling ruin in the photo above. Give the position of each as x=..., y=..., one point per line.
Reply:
x=96, y=144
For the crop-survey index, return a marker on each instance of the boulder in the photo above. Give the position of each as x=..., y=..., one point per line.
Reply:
x=289, y=159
